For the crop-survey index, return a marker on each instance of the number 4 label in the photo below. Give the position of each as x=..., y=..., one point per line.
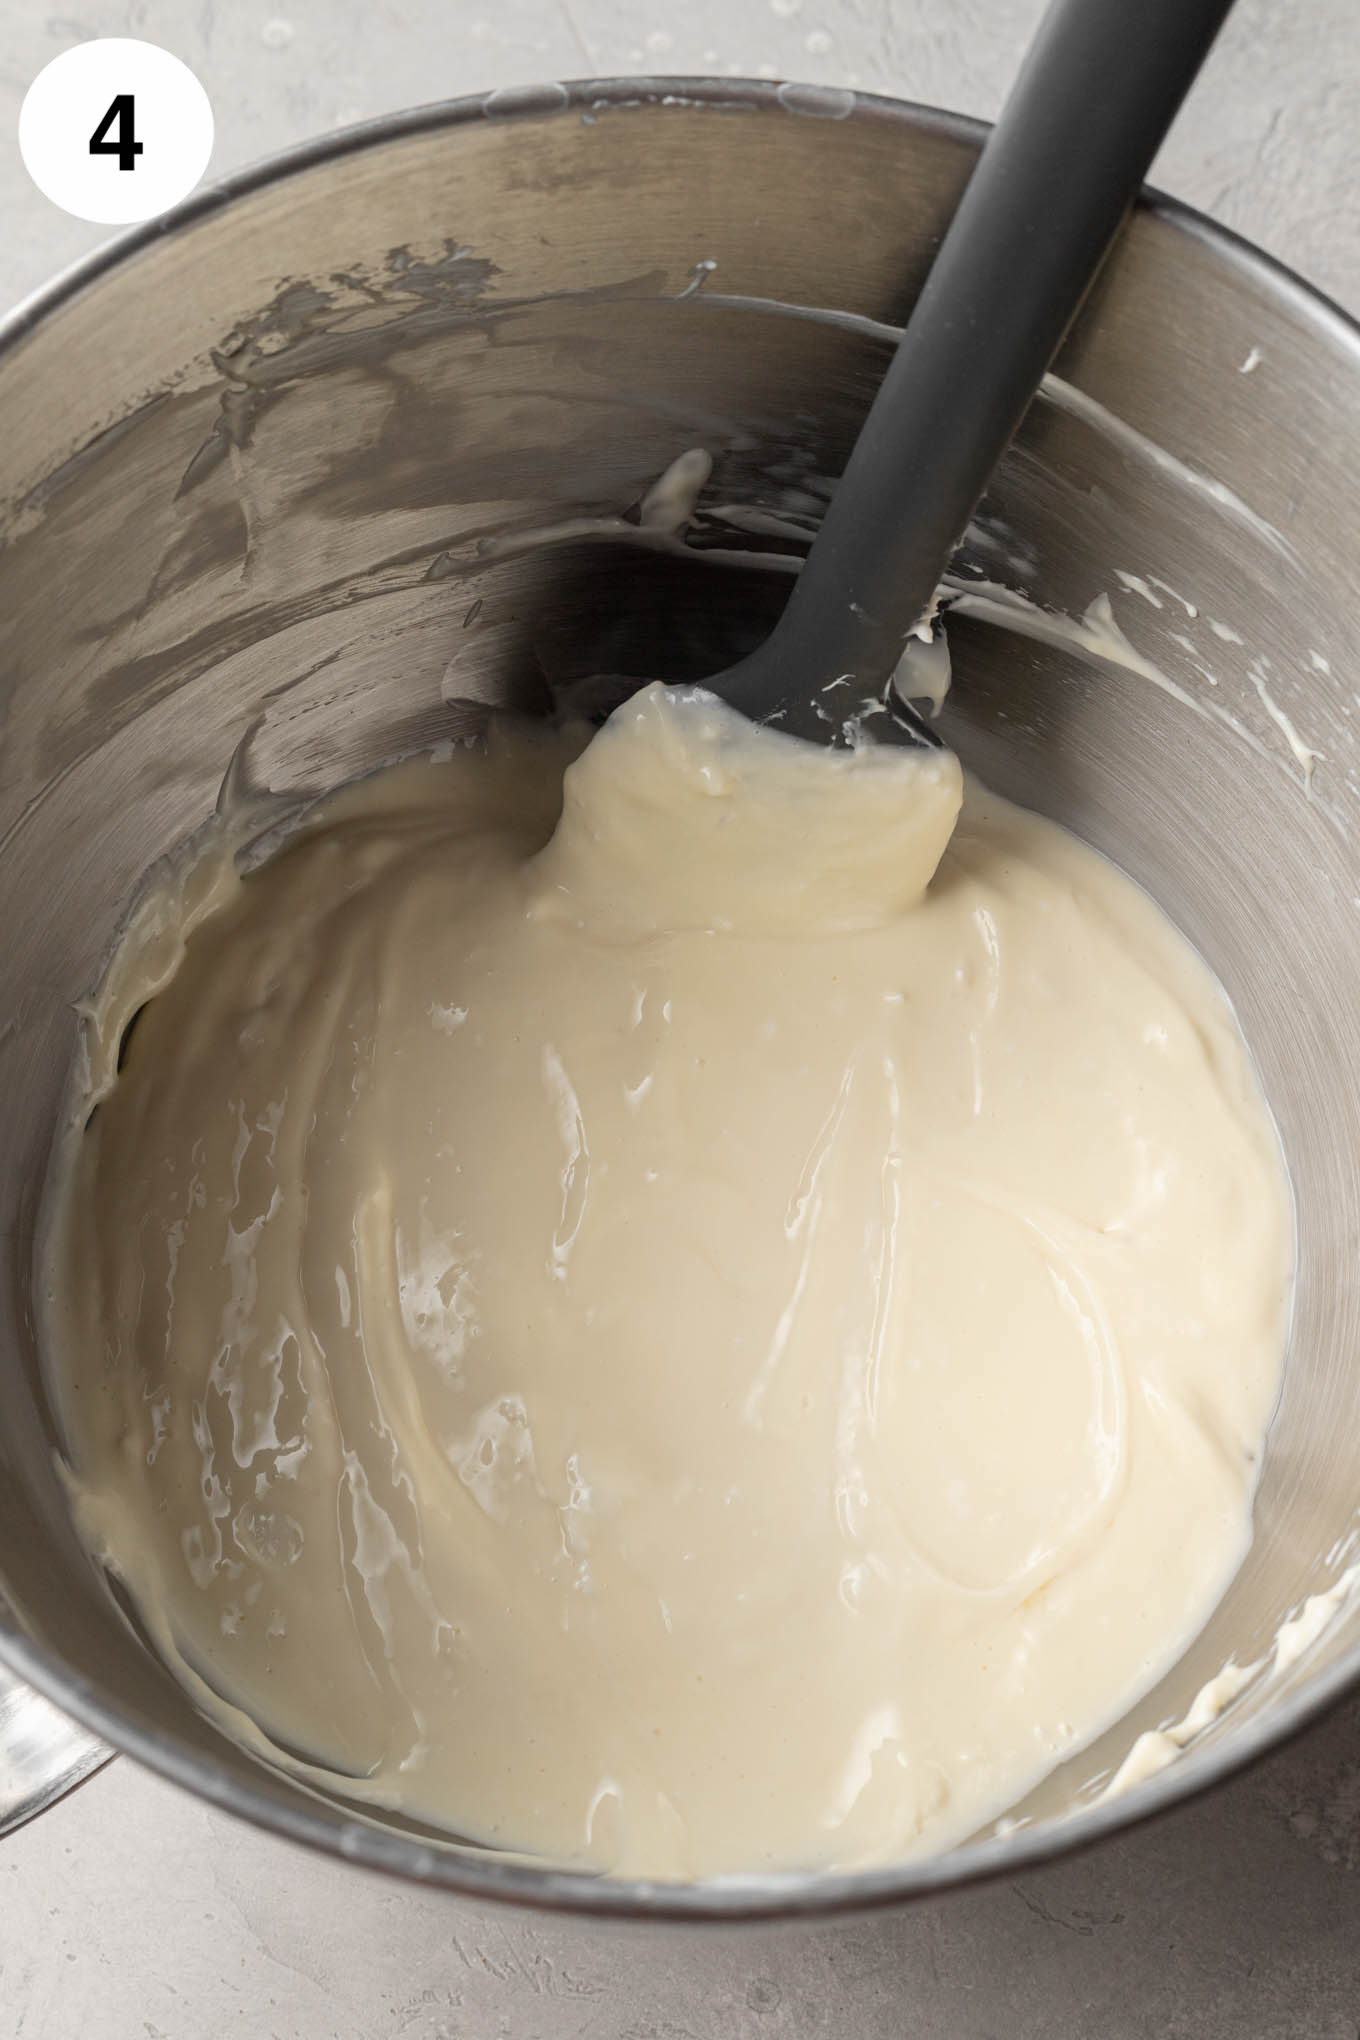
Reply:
x=122, y=115
x=116, y=130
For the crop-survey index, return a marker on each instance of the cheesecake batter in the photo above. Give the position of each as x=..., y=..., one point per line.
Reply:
x=729, y=1330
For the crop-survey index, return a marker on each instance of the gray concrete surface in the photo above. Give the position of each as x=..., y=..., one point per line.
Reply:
x=131, y=1912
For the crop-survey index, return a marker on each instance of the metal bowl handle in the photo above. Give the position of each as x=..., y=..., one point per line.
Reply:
x=42, y=1753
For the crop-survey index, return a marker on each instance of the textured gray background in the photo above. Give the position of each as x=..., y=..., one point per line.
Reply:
x=133, y=1913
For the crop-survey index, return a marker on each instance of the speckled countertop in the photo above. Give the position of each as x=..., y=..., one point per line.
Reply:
x=131, y=1912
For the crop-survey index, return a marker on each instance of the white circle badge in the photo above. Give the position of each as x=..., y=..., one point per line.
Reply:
x=115, y=131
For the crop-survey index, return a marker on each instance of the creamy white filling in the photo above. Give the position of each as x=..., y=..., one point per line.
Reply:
x=733, y=1329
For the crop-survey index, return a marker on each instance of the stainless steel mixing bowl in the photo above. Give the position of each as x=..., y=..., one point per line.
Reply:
x=282, y=473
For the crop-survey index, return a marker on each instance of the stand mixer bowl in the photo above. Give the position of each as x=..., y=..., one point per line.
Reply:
x=343, y=453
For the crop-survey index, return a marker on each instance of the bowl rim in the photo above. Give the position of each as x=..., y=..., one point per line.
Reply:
x=765, y=1896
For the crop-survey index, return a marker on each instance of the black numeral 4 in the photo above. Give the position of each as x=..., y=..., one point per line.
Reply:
x=124, y=145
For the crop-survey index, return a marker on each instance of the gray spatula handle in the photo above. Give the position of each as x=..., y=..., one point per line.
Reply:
x=1095, y=95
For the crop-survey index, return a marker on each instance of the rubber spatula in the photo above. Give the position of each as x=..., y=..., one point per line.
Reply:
x=1096, y=93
